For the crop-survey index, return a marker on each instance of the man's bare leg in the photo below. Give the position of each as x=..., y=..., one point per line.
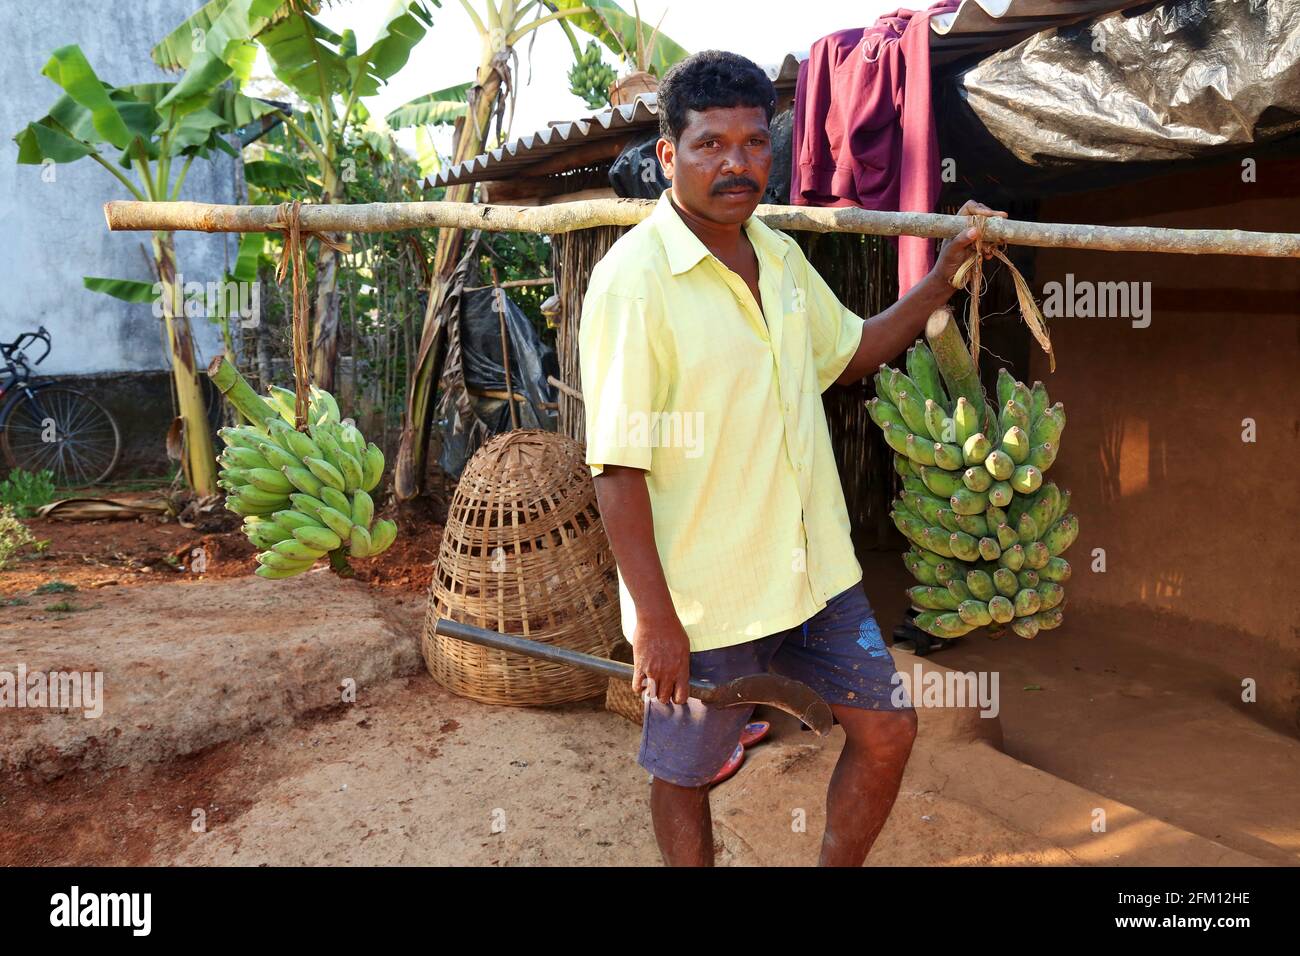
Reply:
x=865, y=782
x=682, y=822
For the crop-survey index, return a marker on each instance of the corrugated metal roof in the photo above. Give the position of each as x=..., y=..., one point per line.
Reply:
x=513, y=157
x=974, y=27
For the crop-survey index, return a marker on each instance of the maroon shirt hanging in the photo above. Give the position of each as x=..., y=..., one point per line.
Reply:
x=864, y=132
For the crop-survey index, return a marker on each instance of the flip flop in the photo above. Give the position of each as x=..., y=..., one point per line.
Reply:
x=754, y=731
x=730, y=767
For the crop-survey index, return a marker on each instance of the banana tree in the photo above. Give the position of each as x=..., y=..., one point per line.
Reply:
x=331, y=76
x=155, y=144
x=501, y=26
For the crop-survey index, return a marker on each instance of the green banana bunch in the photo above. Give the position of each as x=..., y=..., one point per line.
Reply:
x=986, y=529
x=590, y=77
x=304, y=495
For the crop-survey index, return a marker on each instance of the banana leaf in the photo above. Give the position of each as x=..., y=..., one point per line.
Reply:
x=426, y=153
x=302, y=55
x=128, y=290
x=44, y=140
x=406, y=26
x=270, y=174
x=441, y=106
x=251, y=245
x=379, y=141
x=227, y=50
x=195, y=129
x=617, y=29
x=175, y=51
x=69, y=68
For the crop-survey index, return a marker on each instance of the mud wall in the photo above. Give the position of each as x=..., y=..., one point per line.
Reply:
x=1197, y=525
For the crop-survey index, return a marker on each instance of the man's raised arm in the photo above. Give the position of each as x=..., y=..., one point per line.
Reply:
x=890, y=332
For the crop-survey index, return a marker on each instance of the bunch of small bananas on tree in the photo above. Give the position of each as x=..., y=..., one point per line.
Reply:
x=303, y=495
x=987, y=533
x=590, y=77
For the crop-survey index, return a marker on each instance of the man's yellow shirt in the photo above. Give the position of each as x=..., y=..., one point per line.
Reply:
x=720, y=403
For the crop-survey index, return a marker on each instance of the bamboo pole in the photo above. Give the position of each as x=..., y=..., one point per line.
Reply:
x=515, y=284
x=498, y=300
x=123, y=215
x=565, y=389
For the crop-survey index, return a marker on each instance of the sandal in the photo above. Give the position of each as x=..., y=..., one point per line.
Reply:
x=730, y=767
x=754, y=731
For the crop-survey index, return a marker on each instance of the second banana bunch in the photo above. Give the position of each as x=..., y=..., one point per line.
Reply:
x=304, y=495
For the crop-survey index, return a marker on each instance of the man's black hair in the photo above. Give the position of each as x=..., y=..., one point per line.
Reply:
x=708, y=80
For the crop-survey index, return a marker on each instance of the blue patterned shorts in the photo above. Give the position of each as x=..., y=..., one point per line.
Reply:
x=838, y=652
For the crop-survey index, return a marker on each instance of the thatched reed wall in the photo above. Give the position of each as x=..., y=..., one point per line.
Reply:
x=863, y=272
x=573, y=255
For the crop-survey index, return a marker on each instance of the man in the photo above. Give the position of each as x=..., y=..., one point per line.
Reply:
x=705, y=343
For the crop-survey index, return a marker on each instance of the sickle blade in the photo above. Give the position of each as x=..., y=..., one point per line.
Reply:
x=796, y=699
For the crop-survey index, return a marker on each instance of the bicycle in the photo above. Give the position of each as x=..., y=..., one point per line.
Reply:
x=45, y=425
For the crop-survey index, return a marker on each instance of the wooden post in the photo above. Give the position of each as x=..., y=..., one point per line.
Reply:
x=499, y=298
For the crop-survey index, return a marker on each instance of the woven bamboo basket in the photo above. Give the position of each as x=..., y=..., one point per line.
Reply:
x=620, y=698
x=524, y=552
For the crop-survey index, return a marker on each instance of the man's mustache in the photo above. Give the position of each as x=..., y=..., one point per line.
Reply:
x=735, y=182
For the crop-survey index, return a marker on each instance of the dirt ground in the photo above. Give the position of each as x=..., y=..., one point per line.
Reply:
x=1116, y=708
x=241, y=676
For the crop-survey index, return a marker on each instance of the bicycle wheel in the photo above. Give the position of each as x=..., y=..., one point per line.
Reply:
x=64, y=430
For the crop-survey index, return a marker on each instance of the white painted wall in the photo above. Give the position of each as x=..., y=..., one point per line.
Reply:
x=53, y=233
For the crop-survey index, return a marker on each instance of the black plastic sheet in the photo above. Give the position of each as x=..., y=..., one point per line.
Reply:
x=483, y=369
x=636, y=173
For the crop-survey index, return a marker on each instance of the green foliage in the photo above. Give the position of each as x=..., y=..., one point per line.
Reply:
x=54, y=587
x=441, y=107
x=128, y=290
x=149, y=124
x=14, y=535
x=25, y=492
x=143, y=123
x=519, y=255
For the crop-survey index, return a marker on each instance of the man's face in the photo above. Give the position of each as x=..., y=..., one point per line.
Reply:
x=720, y=163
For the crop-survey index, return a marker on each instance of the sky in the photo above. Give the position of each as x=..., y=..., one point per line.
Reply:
x=763, y=30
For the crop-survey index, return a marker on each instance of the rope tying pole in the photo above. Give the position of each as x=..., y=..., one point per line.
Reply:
x=970, y=276
x=288, y=218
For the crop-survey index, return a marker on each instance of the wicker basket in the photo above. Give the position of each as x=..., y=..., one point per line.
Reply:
x=620, y=698
x=524, y=552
